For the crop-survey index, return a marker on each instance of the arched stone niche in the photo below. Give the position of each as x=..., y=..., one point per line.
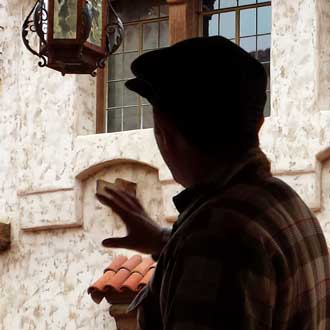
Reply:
x=129, y=155
x=149, y=192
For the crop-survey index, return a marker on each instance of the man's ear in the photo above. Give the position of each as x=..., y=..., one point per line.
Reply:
x=164, y=127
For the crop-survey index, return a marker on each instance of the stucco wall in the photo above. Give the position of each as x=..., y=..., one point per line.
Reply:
x=51, y=158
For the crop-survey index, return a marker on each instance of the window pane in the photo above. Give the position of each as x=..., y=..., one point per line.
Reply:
x=115, y=71
x=131, y=118
x=144, y=101
x=128, y=59
x=210, y=5
x=115, y=94
x=228, y=24
x=148, y=120
x=261, y=1
x=121, y=48
x=213, y=26
x=264, y=48
x=65, y=19
x=268, y=105
x=246, y=2
x=267, y=69
x=228, y=3
x=131, y=38
x=114, y=120
x=150, y=35
x=130, y=97
x=163, y=26
x=248, y=22
x=249, y=44
x=264, y=20
x=95, y=36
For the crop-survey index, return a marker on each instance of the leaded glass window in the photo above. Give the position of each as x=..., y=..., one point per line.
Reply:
x=245, y=22
x=146, y=29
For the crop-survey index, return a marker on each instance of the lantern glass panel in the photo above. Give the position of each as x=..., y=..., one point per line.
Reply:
x=95, y=36
x=65, y=19
x=44, y=18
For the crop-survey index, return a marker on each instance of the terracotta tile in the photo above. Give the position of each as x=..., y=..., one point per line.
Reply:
x=98, y=289
x=144, y=266
x=101, y=283
x=132, y=262
x=123, y=279
x=146, y=278
x=132, y=282
x=96, y=295
x=116, y=263
x=117, y=280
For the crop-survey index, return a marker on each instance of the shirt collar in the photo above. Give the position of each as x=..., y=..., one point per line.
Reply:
x=218, y=181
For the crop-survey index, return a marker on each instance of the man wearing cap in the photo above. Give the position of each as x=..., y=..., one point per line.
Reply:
x=245, y=252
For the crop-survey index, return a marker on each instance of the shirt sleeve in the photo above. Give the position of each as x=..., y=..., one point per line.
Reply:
x=221, y=282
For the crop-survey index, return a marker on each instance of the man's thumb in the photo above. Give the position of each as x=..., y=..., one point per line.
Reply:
x=117, y=242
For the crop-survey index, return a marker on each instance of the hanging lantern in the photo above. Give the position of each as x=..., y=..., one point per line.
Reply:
x=74, y=36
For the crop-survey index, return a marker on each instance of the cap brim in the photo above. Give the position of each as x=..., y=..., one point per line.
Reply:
x=141, y=87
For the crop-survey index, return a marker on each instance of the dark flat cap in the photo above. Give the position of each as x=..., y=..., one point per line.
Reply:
x=200, y=71
x=212, y=88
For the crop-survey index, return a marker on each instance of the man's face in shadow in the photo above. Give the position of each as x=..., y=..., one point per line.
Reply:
x=169, y=143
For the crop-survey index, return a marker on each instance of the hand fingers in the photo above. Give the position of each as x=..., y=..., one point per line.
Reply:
x=118, y=242
x=126, y=198
x=117, y=207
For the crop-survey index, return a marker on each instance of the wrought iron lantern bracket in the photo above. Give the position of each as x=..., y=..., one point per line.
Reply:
x=32, y=25
x=76, y=55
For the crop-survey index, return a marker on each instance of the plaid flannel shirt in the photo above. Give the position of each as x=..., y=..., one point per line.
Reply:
x=245, y=253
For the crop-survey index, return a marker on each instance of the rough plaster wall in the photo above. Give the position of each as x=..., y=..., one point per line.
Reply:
x=9, y=121
x=324, y=216
x=323, y=40
x=323, y=69
x=299, y=125
x=290, y=136
x=45, y=274
x=52, y=111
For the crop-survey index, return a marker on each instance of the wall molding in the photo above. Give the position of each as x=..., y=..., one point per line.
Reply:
x=72, y=196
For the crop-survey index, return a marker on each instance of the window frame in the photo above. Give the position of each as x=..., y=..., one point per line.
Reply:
x=184, y=22
x=140, y=105
x=237, y=10
x=102, y=80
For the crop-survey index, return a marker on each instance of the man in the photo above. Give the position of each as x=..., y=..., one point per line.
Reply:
x=245, y=252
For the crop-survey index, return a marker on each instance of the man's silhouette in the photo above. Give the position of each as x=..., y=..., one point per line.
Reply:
x=245, y=252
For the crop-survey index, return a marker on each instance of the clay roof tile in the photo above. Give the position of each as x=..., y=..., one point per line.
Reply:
x=132, y=282
x=146, y=278
x=116, y=263
x=122, y=279
x=144, y=266
x=132, y=262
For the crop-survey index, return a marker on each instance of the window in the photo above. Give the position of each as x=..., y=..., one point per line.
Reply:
x=245, y=22
x=146, y=28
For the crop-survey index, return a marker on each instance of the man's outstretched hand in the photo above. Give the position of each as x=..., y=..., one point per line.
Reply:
x=143, y=234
